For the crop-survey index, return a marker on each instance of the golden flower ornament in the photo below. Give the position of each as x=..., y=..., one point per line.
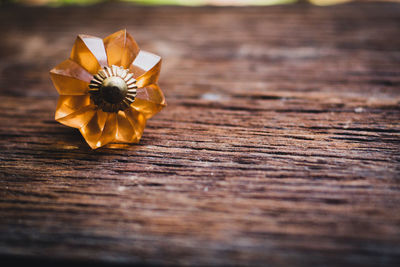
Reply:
x=108, y=89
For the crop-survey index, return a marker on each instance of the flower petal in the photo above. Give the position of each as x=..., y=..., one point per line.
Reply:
x=149, y=100
x=109, y=131
x=89, y=52
x=131, y=124
x=92, y=131
x=70, y=79
x=74, y=111
x=148, y=66
x=121, y=49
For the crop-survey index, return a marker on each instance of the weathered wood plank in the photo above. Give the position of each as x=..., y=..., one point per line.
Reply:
x=280, y=143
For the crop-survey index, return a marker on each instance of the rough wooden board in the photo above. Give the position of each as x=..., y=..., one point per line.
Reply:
x=280, y=143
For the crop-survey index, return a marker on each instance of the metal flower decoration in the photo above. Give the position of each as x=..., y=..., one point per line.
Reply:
x=108, y=89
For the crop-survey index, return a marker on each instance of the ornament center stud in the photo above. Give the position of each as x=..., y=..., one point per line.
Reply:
x=113, y=90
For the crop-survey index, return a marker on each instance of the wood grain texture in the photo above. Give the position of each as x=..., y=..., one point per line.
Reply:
x=280, y=144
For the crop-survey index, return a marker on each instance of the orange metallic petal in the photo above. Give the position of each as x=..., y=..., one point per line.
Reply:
x=92, y=131
x=74, y=111
x=121, y=49
x=148, y=66
x=131, y=124
x=149, y=100
x=89, y=52
x=70, y=78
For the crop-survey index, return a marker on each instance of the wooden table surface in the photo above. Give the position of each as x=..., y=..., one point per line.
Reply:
x=280, y=143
